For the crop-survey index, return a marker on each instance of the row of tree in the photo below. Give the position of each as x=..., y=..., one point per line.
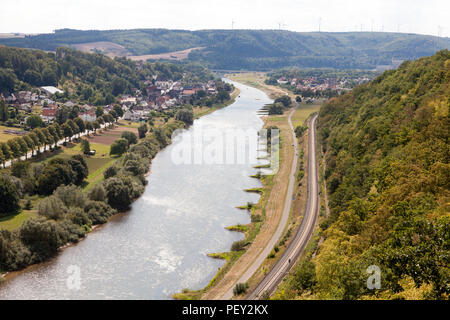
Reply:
x=49, y=136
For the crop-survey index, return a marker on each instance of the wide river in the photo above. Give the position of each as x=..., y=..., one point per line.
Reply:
x=160, y=246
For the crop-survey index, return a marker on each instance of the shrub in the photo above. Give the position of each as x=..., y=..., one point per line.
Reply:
x=119, y=147
x=240, y=288
x=97, y=193
x=41, y=237
x=130, y=137
x=238, y=245
x=118, y=193
x=111, y=172
x=52, y=207
x=98, y=212
x=71, y=196
x=9, y=196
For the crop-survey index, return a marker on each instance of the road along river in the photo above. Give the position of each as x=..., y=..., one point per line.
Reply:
x=160, y=246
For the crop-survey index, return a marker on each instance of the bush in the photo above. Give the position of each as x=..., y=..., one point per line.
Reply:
x=98, y=212
x=118, y=193
x=9, y=196
x=130, y=137
x=52, y=207
x=119, y=147
x=97, y=193
x=240, y=288
x=71, y=196
x=41, y=237
x=185, y=115
x=111, y=172
x=238, y=245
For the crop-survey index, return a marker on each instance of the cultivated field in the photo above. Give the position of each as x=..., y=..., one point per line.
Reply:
x=175, y=55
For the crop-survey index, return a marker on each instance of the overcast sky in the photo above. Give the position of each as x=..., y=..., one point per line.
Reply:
x=42, y=16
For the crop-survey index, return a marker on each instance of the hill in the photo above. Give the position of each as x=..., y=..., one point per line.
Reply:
x=87, y=77
x=250, y=49
x=387, y=173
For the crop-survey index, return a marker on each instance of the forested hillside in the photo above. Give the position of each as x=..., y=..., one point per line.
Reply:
x=93, y=78
x=255, y=49
x=388, y=175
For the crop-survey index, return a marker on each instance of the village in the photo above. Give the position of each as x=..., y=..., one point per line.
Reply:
x=319, y=84
x=160, y=96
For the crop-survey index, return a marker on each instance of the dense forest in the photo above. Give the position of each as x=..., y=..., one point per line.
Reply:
x=86, y=77
x=254, y=49
x=388, y=174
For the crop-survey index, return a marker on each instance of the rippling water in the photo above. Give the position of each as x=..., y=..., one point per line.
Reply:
x=159, y=247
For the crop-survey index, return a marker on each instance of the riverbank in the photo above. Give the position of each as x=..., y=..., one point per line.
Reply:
x=150, y=140
x=268, y=209
x=266, y=213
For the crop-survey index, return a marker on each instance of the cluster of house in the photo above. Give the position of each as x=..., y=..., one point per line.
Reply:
x=321, y=84
x=161, y=95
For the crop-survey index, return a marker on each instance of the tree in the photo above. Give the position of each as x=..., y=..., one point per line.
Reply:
x=222, y=96
x=35, y=139
x=130, y=136
x=276, y=108
x=73, y=126
x=23, y=146
x=285, y=100
x=185, y=115
x=117, y=193
x=85, y=146
x=15, y=148
x=62, y=115
x=9, y=196
x=4, y=112
x=56, y=172
x=54, y=134
x=96, y=126
x=48, y=137
x=6, y=151
x=298, y=99
x=42, y=139
x=142, y=130
x=67, y=130
x=41, y=237
x=118, y=109
x=114, y=115
x=29, y=142
x=299, y=131
x=119, y=147
x=110, y=172
x=99, y=111
x=52, y=207
x=80, y=123
x=34, y=121
x=89, y=127
x=71, y=196
x=80, y=168
x=119, y=85
x=97, y=193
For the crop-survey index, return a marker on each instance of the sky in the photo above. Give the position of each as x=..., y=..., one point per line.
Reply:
x=411, y=16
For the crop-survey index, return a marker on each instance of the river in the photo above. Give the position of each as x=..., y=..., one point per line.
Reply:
x=160, y=246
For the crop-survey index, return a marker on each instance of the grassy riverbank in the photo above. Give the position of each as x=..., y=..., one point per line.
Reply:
x=267, y=212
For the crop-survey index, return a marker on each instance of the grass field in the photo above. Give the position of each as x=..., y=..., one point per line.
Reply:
x=12, y=222
x=6, y=136
x=303, y=112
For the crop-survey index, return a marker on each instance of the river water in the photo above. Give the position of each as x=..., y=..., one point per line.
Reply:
x=160, y=246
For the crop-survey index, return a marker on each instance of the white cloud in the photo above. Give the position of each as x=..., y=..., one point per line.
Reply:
x=414, y=16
